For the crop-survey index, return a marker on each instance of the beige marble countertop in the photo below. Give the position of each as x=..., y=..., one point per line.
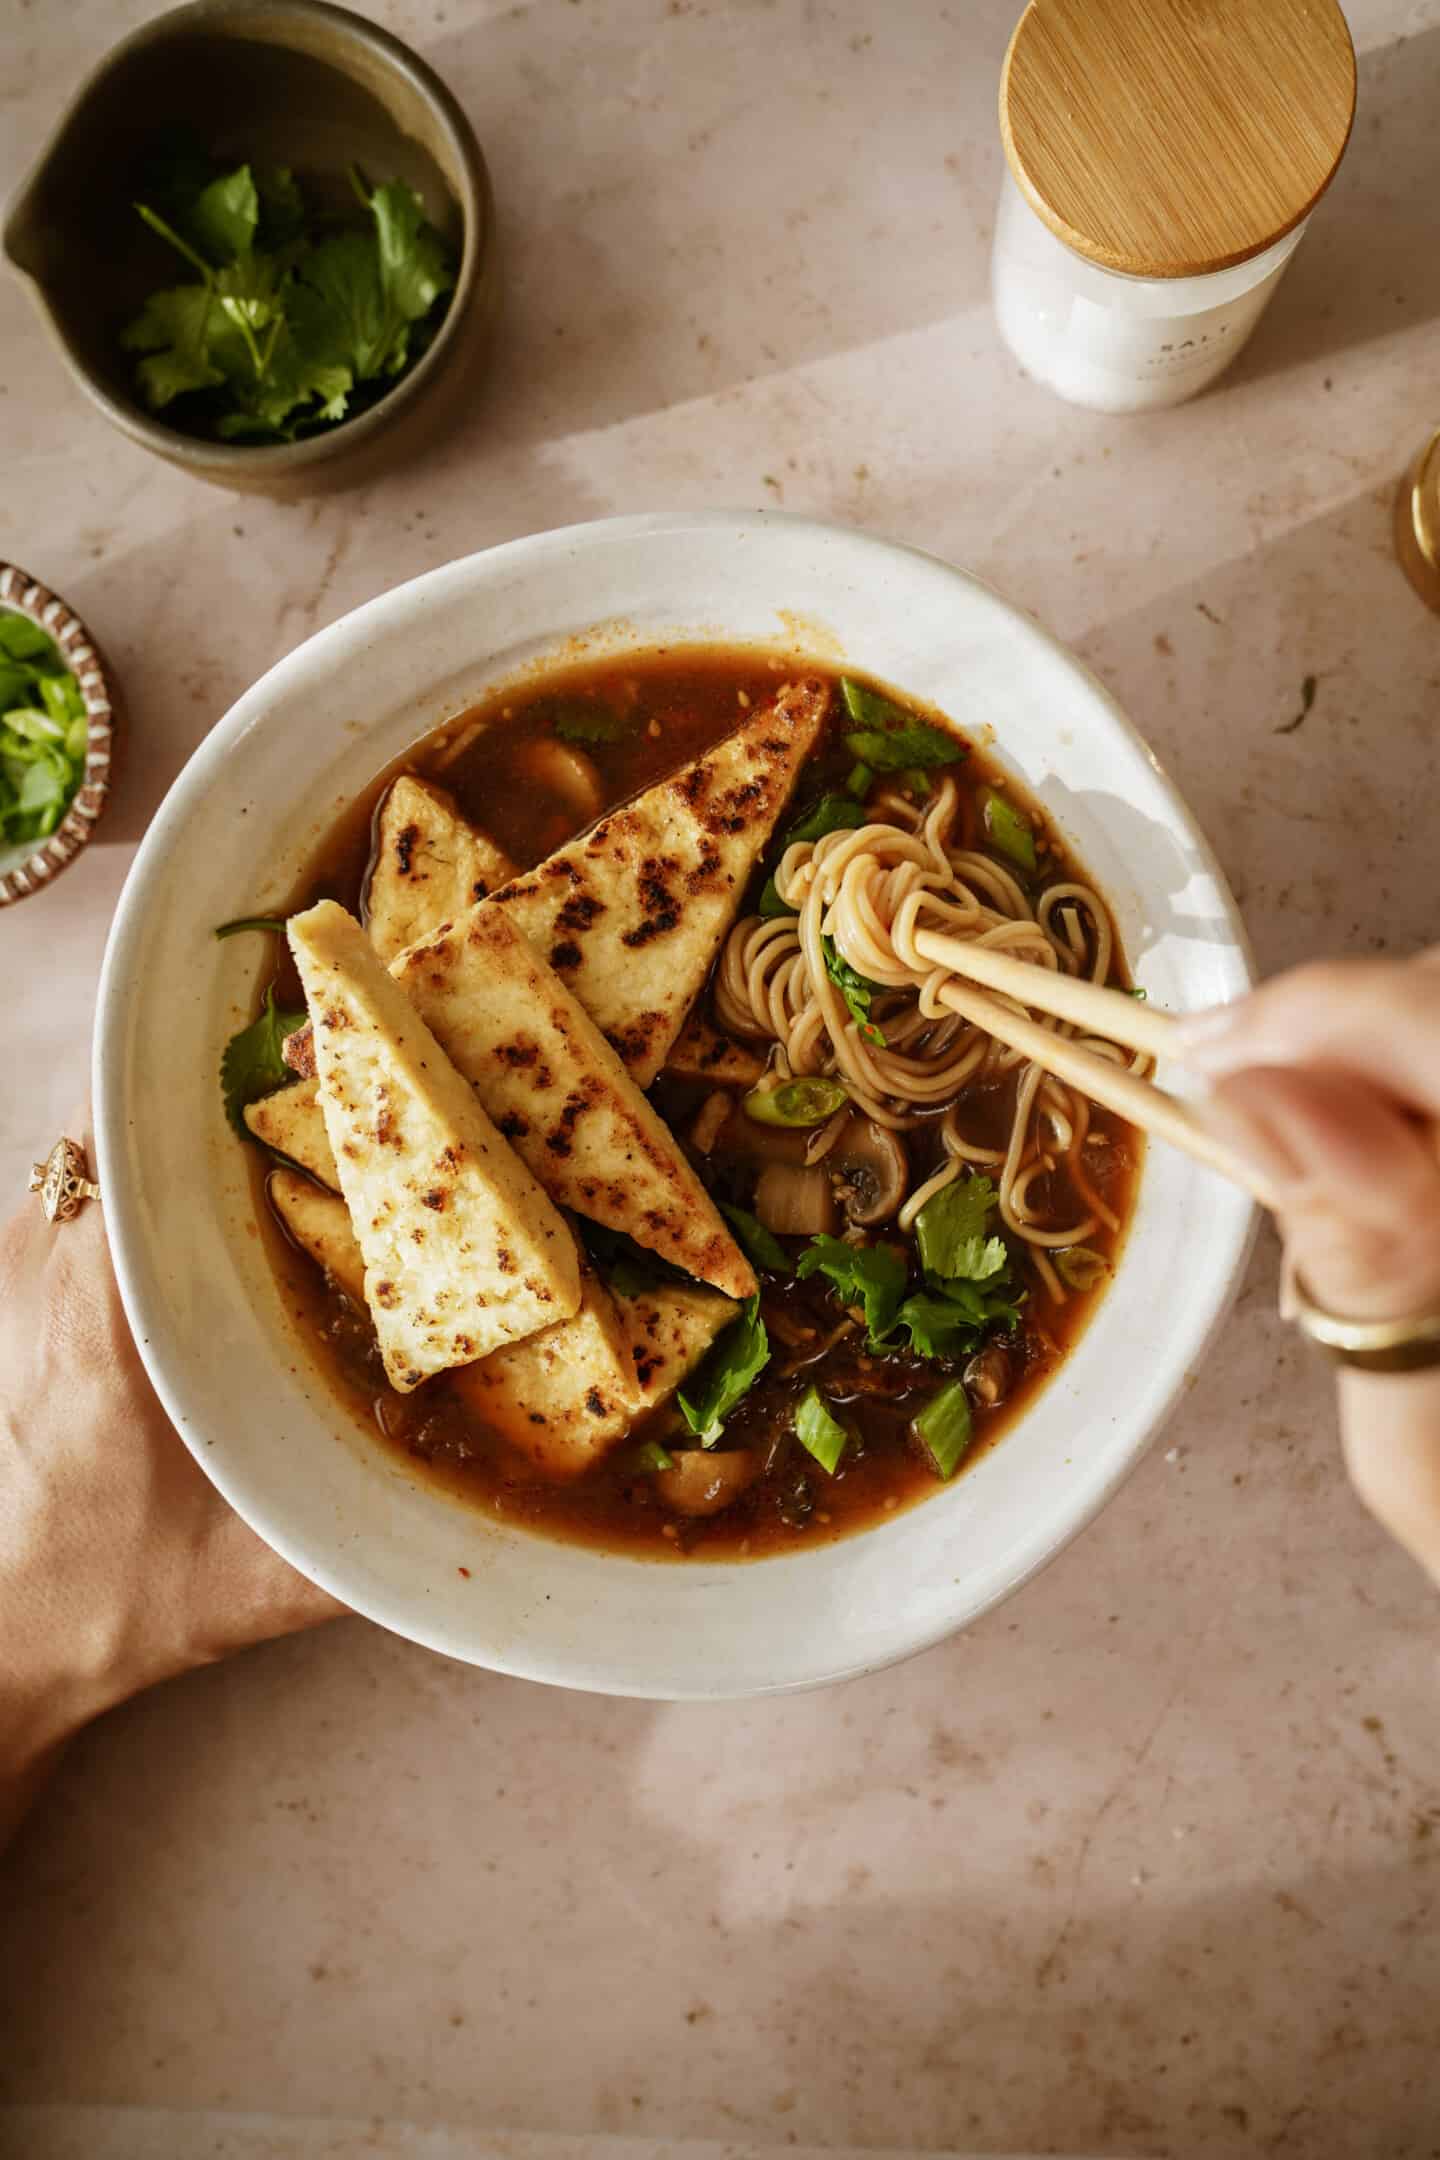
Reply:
x=1146, y=1862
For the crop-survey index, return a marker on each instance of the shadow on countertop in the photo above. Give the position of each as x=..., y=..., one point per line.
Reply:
x=1370, y=265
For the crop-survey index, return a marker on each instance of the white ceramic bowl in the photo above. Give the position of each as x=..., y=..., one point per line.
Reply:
x=215, y=1338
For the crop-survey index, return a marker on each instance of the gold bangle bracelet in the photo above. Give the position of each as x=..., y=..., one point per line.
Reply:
x=1382, y=1346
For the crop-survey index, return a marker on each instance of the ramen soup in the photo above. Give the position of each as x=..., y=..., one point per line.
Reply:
x=628, y=1178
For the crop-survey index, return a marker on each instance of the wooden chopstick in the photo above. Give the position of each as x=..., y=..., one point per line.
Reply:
x=1109, y=1013
x=1113, y=1014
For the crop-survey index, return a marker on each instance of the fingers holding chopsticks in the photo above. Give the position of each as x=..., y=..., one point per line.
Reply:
x=1329, y=1078
x=1356, y=1184
x=1378, y=1019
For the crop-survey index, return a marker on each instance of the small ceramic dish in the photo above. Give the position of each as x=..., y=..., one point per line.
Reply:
x=25, y=868
x=295, y=83
x=214, y=1329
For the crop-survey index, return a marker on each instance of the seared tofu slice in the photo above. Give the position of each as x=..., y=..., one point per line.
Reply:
x=561, y=1096
x=562, y=1397
x=701, y=1052
x=292, y=1122
x=462, y=1250
x=669, y=1330
x=632, y=914
x=320, y=1223
x=431, y=864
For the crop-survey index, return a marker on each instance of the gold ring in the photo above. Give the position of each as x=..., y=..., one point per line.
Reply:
x=63, y=1181
x=1408, y=1345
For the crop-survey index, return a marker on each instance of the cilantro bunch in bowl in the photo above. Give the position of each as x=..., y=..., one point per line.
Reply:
x=295, y=318
x=44, y=730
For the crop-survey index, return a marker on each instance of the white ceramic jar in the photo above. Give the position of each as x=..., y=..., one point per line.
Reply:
x=1164, y=160
x=1116, y=343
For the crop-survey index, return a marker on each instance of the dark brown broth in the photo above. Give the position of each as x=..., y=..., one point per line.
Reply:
x=683, y=701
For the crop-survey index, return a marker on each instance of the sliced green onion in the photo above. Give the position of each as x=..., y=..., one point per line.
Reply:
x=818, y=1432
x=1080, y=1268
x=650, y=1456
x=796, y=1102
x=918, y=782
x=943, y=1428
x=860, y=780
x=867, y=708
x=1009, y=831
x=249, y=922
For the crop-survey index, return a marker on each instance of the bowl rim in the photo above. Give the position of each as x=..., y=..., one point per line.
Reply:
x=473, y=199
x=22, y=594
x=145, y=1308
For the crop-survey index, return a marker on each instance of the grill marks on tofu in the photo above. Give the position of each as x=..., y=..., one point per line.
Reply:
x=293, y=1124
x=702, y=1052
x=632, y=914
x=669, y=1329
x=560, y=1095
x=432, y=1189
x=430, y=865
x=563, y=1397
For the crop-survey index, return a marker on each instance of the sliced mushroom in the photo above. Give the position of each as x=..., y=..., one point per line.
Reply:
x=988, y=1376
x=794, y=1201
x=703, y=1482
x=869, y=1170
x=710, y=1120
x=564, y=771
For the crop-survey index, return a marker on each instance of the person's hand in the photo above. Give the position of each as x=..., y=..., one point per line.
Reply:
x=119, y=1562
x=1328, y=1078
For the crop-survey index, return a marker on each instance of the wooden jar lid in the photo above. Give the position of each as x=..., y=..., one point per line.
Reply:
x=1168, y=138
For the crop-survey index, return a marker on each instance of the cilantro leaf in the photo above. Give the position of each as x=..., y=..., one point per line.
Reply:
x=870, y=1276
x=857, y=991
x=281, y=325
x=252, y=1065
x=414, y=264
x=760, y=1246
x=951, y=1320
x=937, y=1327
x=950, y=1230
x=337, y=314
x=726, y=1376
x=174, y=330
x=968, y=1289
x=224, y=215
